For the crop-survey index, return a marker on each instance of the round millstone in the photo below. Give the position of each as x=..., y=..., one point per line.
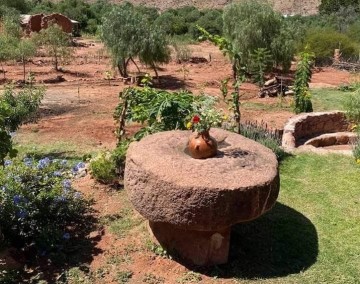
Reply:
x=166, y=185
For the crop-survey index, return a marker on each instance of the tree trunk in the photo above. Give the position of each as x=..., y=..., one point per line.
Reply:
x=122, y=119
x=56, y=63
x=236, y=98
x=137, y=67
x=23, y=60
x=156, y=72
x=3, y=70
x=120, y=68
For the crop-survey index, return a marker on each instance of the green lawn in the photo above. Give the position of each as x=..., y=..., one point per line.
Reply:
x=312, y=235
x=328, y=99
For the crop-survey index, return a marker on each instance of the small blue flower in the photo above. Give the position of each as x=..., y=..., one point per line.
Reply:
x=75, y=170
x=7, y=163
x=80, y=165
x=28, y=162
x=66, y=184
x=77, y=195
x=43, y=163
x=60, y=199
x=57, y=174
x=66, y=236
x=17, y=199
x=63, y=162
x=22, y=214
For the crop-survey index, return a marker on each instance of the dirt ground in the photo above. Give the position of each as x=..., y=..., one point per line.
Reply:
x=80, y=110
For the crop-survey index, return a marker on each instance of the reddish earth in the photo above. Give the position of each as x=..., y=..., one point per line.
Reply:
x=78, y=114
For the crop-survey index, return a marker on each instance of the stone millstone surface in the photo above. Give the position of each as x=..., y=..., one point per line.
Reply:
x=166, y=185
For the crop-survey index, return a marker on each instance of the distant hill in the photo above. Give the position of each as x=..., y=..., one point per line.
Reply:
x=303, y=7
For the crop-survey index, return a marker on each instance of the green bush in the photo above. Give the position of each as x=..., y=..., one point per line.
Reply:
x=260, y=133
x=323, y=42
x=159, y=110
x=16, y=108
x=38, y=205
x=119, y=156
x=352, y=107
x=356, y=149
x=103, y=168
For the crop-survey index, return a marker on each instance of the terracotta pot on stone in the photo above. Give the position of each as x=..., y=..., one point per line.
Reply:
x=202, y=145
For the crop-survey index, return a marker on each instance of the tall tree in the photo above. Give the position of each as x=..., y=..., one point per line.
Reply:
x=57, y=44
x=250, y=25
x=25, y=50
x=128, y=34
x=331, y=6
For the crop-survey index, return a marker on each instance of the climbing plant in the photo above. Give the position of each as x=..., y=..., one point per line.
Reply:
x=238, y=72
x=302, y=98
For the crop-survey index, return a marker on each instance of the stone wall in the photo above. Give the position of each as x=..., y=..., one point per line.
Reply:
x=59, y=19
x=306, y=126
x=40, y=21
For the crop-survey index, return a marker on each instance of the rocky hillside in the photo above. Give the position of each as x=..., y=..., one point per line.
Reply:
x=303, y=7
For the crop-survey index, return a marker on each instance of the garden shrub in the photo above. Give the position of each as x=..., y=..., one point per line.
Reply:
x=38, y=205
x=323, y=42
x=352, y=107
x=119, y=155
x=16, y=108
x=260, y=133
x=159, y=110
x=302, y=97
x=356, y=149
x=103, y=167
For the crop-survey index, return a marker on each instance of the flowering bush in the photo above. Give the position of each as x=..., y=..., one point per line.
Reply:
x=103, y=167
x=205, y=115
x=38, y=205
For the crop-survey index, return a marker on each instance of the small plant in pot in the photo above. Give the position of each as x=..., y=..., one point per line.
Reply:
x=201, y=145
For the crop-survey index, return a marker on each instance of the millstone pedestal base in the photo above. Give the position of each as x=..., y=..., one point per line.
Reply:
x=195, y=247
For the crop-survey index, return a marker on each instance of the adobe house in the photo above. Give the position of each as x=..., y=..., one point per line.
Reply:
x=35, y=23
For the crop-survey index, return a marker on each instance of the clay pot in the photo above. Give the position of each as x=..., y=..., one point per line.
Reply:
x=202, y=145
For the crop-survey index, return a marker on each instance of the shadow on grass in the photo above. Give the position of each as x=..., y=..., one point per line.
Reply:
x=280, y=243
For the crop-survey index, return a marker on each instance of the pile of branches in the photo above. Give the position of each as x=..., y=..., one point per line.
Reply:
x=274, y=87
x=348, y=66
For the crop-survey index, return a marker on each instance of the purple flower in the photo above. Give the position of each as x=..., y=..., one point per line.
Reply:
x=77, y=195
x=22, y=214
x=61, y=198
x=80, y=165
x=17, y=199
x=43, y=163
x=57, y=174
x=7, y=163
x=28, y=162
x=66, y=184
x=75, y=169
x=66, y=236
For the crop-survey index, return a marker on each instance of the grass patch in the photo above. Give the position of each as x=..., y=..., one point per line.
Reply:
x=59, y=149
x=311, y=235
x=268, y=107
x=328, y=99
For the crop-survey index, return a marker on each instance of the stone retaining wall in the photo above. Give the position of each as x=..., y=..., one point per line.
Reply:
x=306, y=126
